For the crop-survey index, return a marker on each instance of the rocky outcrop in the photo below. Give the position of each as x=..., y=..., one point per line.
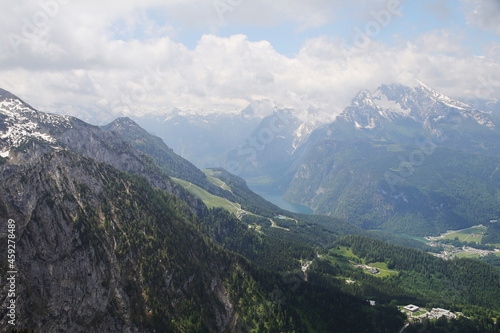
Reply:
x=72, y=276
x=84, y=263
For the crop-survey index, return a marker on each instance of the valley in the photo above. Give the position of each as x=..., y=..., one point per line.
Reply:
x=170, y=245
x=464, y=243
x=230, y=166
x=276, y=197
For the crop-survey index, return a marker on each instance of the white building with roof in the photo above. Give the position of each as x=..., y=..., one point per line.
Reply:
x=412, y=308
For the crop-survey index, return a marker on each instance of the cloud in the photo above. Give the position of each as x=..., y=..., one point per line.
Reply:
x=484, y=14
x=123, y=57
x=442, y=9
x=228, y=73
x=445, y=41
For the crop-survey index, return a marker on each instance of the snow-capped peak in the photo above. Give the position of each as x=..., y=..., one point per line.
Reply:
x=395, y=102
x=20, y=123
x=443, y=98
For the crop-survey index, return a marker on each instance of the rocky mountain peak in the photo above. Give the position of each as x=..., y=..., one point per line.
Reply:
x=123, y=123
x=395, y=102
x=4, y=94
x=27, y=134
x=363, y=98
x=20, y=123
x=440, y=98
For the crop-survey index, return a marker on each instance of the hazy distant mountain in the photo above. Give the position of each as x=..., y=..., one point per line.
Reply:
x=492, y=105
x=406, y=159
x=270, y=149
x=92, y=114
x=421, y=104
x=201, y=139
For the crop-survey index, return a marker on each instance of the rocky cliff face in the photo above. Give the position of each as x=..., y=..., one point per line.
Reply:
x=26, y=134
x=82, y=266
x=104, y=240
x=64, y=284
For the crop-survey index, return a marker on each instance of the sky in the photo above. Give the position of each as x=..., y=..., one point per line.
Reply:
x=132, y=57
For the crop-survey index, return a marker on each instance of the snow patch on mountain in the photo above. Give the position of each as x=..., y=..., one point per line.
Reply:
x=421, y=104
x=385, y=104
x=20, y=123
x=443, y=98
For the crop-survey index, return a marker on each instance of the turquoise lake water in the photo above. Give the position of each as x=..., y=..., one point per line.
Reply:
x=274, y=196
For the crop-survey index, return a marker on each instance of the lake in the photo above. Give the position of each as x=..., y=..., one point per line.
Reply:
x=274, y=196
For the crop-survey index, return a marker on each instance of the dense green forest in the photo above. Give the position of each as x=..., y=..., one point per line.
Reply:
x=160, y=232
x=304, y=299
x=463, y=281
x=450, y=191
x=419, y=278
x=492, y=235
x=271, y=253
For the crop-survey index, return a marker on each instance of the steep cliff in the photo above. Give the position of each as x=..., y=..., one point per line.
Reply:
x=101, y=250
x=104, y=240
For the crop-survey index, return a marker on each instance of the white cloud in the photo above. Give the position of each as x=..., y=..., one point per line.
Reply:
x=121, y=57
x=442, y=41
x=484, y=14
x=229, y=73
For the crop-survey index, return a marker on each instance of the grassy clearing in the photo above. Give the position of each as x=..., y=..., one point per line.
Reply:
x=469, y=235
x=216, y=181
x=277, y=226
x=384, y=271
x=412, y=314
x=467, y=255
x=210, y=172
x=344, y=251
x=209, y=199
x=420, y=239
x=419, y=313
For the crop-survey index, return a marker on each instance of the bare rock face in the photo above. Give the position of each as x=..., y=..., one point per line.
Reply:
x=104, y=241
x=74, y=275
x=64, y=284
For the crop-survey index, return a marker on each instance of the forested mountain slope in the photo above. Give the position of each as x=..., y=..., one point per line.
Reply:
x=408, y=160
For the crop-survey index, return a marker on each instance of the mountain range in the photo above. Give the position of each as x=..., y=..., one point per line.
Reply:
x=105, y=240
x=408, y=160
x=201, y=139
x=405, y=144
x=117, y=233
